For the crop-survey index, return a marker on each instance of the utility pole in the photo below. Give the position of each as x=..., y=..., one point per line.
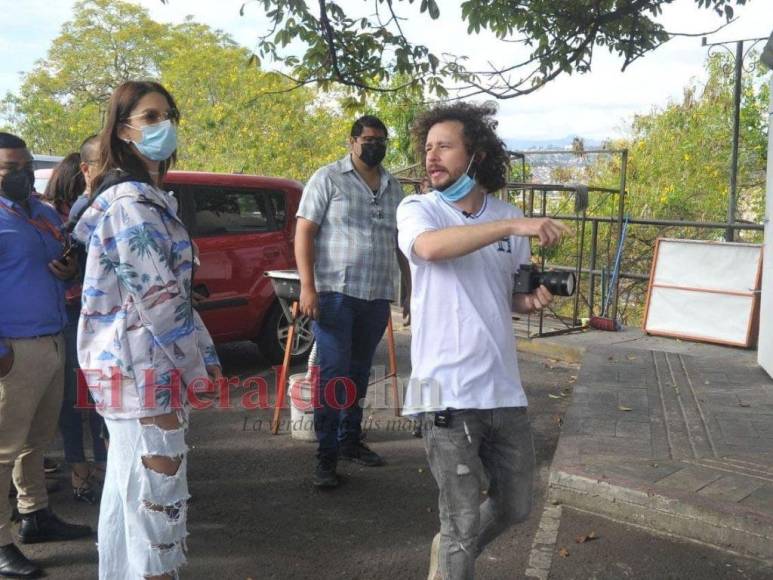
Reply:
x=732, y=201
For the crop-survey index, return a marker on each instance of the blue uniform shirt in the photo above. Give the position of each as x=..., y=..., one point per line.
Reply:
x=31, y=297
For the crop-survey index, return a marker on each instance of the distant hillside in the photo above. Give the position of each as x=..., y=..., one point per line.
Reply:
x=541, y=165
x=562, y=143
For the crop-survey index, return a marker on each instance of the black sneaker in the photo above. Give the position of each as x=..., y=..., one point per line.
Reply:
x=325, y=473
x=360, y=453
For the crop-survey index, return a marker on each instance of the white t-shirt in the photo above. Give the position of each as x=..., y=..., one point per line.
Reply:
x=463, y=345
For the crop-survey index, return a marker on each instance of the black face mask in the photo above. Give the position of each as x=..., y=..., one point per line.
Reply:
x=18, y=184
x=372, y=153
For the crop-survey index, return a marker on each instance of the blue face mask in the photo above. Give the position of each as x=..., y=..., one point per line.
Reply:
x=158, y=141
x=460, y=188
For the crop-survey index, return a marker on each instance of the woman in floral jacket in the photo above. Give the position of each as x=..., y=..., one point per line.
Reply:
x=140, y=343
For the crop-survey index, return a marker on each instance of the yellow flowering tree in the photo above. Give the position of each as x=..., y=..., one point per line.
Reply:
x=235, y=117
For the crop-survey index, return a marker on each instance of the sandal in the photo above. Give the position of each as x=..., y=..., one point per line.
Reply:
x=98, y=472
x=83, y=490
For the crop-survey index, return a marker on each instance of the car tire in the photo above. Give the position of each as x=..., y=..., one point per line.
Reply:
x=273, y=337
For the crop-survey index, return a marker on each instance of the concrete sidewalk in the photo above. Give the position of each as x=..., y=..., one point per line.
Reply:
x=670, y=435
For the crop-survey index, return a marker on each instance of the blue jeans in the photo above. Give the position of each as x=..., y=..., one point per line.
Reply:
x=70, y=418
x=347, y=333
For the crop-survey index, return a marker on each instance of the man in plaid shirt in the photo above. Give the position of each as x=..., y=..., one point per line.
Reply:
x=345, y=247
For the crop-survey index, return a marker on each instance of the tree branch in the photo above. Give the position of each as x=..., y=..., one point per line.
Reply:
x=562, y=36
x=696, y=34
x=327, y=29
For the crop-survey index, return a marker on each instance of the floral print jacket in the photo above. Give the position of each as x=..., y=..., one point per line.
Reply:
x=140, y=342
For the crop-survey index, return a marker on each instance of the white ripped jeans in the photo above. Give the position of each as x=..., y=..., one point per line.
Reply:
x=143, y=513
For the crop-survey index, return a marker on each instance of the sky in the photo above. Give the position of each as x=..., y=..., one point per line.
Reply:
x=595, y=106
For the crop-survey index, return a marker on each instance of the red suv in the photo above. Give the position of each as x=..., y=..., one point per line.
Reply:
x=243, y=226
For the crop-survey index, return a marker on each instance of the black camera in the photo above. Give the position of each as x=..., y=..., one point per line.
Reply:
x=528, y=279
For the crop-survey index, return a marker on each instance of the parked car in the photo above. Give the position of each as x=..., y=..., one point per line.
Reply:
x=243, y=226
x=44, y=167
x=45, y=161
x=41, y=178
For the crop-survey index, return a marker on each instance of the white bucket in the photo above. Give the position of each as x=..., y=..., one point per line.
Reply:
x=299, y=397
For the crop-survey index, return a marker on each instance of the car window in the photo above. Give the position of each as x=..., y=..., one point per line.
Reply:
x=228, y=211
x=278, y=208
x=40, y=184
x=209, y=210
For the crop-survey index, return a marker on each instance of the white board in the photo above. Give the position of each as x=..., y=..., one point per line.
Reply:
x=765, y=346
x=705, y=291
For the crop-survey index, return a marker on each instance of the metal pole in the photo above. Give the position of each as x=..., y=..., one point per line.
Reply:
x=730, y=234
x=594, y=240
x=620, y=213
x=578, y=274
x=282, y=379
x=542, y=259
x=390, y=334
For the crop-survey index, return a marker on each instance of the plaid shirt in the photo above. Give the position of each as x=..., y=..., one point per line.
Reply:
x=355, y=246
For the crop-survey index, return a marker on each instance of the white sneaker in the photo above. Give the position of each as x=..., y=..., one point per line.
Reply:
x=434, y=559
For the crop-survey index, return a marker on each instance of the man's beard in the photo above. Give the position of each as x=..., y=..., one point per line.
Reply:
x=448, y=181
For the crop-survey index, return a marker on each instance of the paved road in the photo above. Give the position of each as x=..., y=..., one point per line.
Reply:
x=255, y=514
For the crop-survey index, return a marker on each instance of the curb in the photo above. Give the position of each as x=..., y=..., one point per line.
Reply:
x=721, y=526
x=662, y=441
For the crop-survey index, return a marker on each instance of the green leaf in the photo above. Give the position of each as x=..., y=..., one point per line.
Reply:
x=434, y=11
x=433, y=61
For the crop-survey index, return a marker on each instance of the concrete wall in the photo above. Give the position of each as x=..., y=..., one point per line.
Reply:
x=765, y=348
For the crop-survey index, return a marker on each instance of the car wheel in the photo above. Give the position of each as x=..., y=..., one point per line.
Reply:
x=273, y=337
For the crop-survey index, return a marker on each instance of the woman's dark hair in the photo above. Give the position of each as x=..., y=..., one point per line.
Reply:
x=479, y=134
x=65, y=184
x=114, y=152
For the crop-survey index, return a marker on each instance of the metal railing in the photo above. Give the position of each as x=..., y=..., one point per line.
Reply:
x=593, y=272
x=529, y=191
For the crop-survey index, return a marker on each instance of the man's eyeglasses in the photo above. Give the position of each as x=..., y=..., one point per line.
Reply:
x=375, y=140
x=151, y=116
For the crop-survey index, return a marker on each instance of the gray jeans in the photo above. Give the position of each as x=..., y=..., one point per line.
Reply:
x=480, y=447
